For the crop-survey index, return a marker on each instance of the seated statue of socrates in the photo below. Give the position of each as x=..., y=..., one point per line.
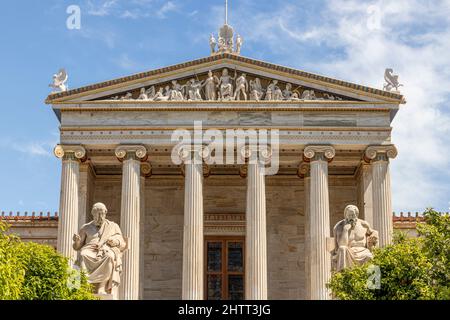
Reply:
x=354, y=240
x=100, y=243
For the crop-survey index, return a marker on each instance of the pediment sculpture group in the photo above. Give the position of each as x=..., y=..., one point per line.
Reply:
x=225, y=88
x=100, y=244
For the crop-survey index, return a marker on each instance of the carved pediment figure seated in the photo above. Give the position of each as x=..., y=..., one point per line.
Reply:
x=100, y=243
x=354, y=240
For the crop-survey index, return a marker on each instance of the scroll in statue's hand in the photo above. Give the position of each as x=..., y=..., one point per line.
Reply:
x=76, y=238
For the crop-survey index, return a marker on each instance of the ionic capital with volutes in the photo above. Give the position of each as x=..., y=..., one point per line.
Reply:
x=70, y=152
x=135, y=152
x=380, y=153
x=317, y=153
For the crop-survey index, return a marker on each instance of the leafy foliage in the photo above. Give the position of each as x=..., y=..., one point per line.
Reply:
x=411, y=268
x=31, y=271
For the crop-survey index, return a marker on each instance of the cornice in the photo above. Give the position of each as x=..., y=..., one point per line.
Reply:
x=225, y=58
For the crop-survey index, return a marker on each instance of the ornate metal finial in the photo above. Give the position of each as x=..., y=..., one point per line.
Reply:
x=391, y=79
x=225, y=42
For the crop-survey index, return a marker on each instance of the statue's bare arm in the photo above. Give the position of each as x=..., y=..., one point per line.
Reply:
x=366, y=225
x=79, y=240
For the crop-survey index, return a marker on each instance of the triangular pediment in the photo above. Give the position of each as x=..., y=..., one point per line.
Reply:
x=192, y=81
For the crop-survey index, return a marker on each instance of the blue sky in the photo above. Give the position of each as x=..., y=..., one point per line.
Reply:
x=347, y=39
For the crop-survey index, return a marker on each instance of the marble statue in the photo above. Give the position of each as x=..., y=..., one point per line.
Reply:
x=143, y=95
x=275, y=92
x=127, y=96
x=163, y=94
x=212, y=44
x=150, y=92
x=391, y=81
x=295, y=96
x=101, y=244
x=222, y=45
x=226, y=41
x=225, y=85
x=354, y=240
x=309, y=95
x=269, y=96
x=287, y=93
x=193, y=88
x=210, y=86
x=239, y=43
x=256, y=90
x=226, y=88
x=176, y=94
x=241, y=87
x=59, y=81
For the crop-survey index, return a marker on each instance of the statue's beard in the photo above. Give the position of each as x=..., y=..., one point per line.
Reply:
x=352, y=222
x=99, y=222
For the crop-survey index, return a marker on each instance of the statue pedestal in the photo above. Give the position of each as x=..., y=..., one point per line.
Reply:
x=104, y=296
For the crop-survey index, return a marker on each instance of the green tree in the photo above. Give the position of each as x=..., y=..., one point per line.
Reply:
x=410, y=269
x=31, y=271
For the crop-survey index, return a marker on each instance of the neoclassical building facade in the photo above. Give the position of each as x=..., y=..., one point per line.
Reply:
x=208, y=230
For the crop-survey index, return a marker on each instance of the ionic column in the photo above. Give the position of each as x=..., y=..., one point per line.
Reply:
x=365, y=198
x=256, y=234
x=192, y=285
x=69, y=208
x=379, y=156
x=85, y=186
x=319, y=220
x=130, y=213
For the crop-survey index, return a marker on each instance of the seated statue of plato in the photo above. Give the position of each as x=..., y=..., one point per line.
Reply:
x=100, y=243
x=354, y=240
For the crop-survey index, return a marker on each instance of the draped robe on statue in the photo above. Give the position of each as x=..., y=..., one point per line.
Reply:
x=103, y=262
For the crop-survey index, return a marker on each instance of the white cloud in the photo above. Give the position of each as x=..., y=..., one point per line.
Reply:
x=169, y=6
x=32, y=149
x=108, y=37
x=101, y=8
x=125, y=62
x=359, y=40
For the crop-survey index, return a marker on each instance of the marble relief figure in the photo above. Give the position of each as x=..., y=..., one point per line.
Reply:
x=101, y=244
x=193, y=88
x=256, y=90
x=241, y=87
x=354, y=240
x=210, y=86
x=226, y=88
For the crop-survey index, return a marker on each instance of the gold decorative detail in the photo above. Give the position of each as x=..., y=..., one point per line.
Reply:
x=137, y=150
x=243, y=170
x=303, y=170
x=61, y=151
x=371, y=153
x=146, y=169
x=311, y=152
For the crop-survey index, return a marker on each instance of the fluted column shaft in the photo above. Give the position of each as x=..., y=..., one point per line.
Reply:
x=192, y=286
x=319, y=220
x=381, y=190
x=256, y=235
x=382, y=220
x=68, y=207
x=130, y=214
